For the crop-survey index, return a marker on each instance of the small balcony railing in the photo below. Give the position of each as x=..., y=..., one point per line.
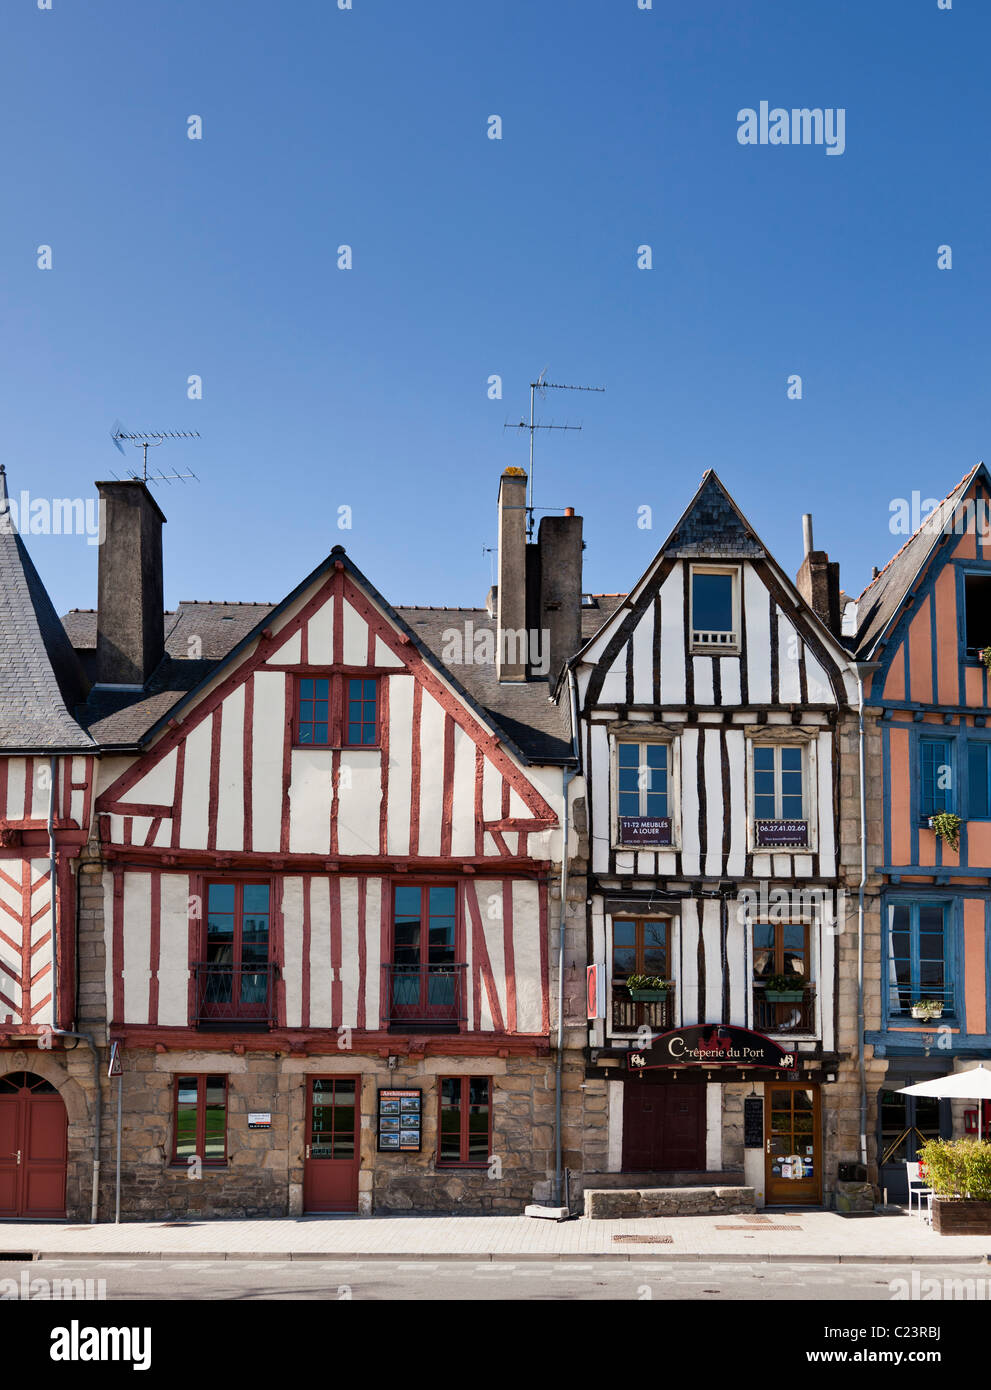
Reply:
x=902, y=999
x=796, y=1016
x=628, y=1014
x=234, y=995
x=430, y=997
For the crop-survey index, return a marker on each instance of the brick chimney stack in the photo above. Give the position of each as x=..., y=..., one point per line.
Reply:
x=130, y=639
x=511, y=661
x=818, y=582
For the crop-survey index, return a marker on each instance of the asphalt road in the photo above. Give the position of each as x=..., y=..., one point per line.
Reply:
x=466, y=1280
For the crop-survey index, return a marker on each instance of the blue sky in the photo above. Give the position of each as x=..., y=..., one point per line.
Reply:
x=367, y=388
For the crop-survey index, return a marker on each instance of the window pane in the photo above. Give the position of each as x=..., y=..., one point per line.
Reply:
x=450, y=1119
x=220, y=897
x=977, y=770
x=791, y=760
x=629, y=803
x=256, y=897
x=712, y=602
x=629, y=755
x=764, y=759
x=624, y=933
x=442, y=900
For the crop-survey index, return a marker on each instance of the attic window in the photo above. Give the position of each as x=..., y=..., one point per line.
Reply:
x=715, y=595
x=589, y=601
x=977, y=598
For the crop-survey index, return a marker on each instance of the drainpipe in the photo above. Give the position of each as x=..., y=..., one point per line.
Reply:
x=57, y=1032
x=860, y=921
x=569, y=776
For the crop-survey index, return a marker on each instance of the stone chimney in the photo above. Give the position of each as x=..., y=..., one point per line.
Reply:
x=511, y=636
x=559, y=539
x=130, y=625
x=818, y=582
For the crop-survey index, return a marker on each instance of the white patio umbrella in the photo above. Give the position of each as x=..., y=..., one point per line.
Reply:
x=973, y=1084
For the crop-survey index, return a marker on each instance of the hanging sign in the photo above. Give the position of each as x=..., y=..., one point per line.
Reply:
x=712, y=1045
x=595, y=990
x=400, y=1115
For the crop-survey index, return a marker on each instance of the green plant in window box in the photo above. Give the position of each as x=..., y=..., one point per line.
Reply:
x=946, y=824
x=927, y=1008
x=784, y=989
x=647, y=989
x=985, y=655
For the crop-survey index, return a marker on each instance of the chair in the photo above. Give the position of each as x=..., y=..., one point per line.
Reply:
x=916, y=1185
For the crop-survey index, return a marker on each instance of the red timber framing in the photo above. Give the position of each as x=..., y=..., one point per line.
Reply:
x=456, y=713
x=33, y=975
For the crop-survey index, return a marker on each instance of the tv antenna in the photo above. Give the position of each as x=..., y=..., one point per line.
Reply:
x=152, y=440
x=543, y=386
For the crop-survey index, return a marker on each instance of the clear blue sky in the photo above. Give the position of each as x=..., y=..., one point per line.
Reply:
x=367, y=387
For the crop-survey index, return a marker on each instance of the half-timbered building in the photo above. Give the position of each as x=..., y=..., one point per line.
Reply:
x=711, y=704
x=924, y=633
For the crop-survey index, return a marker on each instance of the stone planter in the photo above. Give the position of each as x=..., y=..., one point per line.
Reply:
x=957, y=1216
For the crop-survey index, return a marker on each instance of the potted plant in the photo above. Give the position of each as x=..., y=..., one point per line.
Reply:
x=784, y=989
x=927, y=1008
x=985, y=656
x=959, y=1173
x=946, y=824
x=647, y=989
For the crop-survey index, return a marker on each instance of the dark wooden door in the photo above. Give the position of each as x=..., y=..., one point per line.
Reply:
x=663, y=1127
x=330, y=1169
x=33, y=1147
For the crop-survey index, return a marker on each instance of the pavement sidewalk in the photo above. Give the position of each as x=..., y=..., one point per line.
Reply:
x=789, y=1236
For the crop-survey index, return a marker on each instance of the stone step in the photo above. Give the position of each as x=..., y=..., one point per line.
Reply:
x=610, y=1203
x=730, y=1177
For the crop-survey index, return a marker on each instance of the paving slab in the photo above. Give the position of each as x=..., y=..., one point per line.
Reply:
x=814, y=1236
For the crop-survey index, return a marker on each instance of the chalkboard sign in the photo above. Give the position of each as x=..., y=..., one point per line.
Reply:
x=753, y=1122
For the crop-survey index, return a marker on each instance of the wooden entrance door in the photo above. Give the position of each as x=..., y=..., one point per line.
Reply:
x=793, y=1146
x=663, y=1126
x=330, y=1169
x=33, y=1147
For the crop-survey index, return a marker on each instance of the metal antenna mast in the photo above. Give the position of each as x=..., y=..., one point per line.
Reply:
x=543, y=387
x=152, y=440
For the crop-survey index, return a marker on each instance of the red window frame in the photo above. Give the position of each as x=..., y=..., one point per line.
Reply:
x=464, y=1083
x=338, y=699
x=202, y=1079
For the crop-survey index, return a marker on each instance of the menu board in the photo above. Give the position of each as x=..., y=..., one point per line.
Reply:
x=753, y=1122
x=400, y=1115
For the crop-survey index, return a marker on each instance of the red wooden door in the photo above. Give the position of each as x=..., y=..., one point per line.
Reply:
x=33, y=1134
x=663, y=1127
x=330, y=1168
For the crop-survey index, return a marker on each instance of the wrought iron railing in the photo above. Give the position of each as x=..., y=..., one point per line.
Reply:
x=234, y=994
x=628, y=1014
x=425, y=996
x=797, y=1016
x=902, y=999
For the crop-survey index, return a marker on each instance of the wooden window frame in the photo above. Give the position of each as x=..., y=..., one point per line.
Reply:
x=639, y=924
x=644, y=734
x=950, y=792
x=779, y=948
x=462, y=1162
x=985, y=745
x=916, y=988
x=337, y=699
x=731, y=648
x=239, y=884
x=180, y=1161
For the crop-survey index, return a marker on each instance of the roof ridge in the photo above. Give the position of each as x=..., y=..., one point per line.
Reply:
x=918, y=531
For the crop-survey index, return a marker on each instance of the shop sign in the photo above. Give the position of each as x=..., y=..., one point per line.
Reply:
x=793, y=833
x=645, y=830
x=711, y=1045
x=259, y=1119
x=400, y=1115
x=595, y=990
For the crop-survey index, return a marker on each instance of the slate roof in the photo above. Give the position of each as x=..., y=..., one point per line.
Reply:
x=879, y=605
x=713, y=526
x=524, y=713
x=40, y=674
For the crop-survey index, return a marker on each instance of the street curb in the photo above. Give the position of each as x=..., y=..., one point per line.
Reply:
x=482, y=1257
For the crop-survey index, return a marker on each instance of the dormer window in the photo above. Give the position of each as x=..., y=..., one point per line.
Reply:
x=715, y=608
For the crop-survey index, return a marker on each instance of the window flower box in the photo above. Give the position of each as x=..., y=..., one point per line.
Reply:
x=647, y=989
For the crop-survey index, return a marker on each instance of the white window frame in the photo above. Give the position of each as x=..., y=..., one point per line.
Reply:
x=643, y=734
x=699, y=644
x=786, y=737
x=787, y=919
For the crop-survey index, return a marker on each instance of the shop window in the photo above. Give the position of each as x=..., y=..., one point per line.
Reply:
x=715, y=608
x=200, y=1120
x=465, y=1122
x=935, y=776
x=917, y=957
